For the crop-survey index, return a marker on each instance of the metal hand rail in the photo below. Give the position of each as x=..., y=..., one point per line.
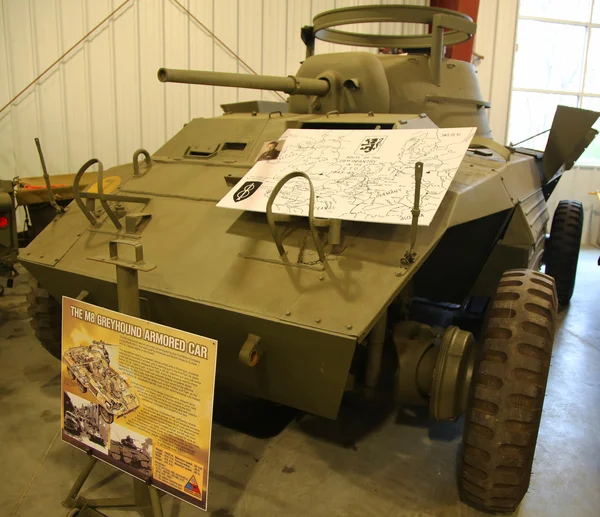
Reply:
x=311, y=218
x=136, y=165
x=100, y=195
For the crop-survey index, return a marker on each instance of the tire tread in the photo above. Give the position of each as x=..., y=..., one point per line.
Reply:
x=508, y=390
x=563, y=248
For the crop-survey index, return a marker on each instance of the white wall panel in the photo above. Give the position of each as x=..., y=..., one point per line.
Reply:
x=298, y=15
x=177, y=44
x=100, y=72
x=152, y=93
x=45, y=47
x=7, y=148
x=274, y=36
x=226, y=28
x=251, y=21
x=202, y=54
x=501, y=29
x=76, y=94
x=485, y=41
x=125, y=54
x=22, y=70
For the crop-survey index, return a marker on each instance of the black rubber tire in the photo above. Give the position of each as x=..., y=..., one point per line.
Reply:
x=509, y=383
x=46, y=317
x=107, y=416
x=81, y=386
x=563, y=248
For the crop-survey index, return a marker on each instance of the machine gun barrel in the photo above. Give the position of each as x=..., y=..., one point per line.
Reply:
x=290, y=84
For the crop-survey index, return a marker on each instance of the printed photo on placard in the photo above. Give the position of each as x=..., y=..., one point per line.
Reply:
x=82, y=421
x=131, y=449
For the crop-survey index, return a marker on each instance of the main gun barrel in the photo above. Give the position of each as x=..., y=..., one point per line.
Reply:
x=290, y=84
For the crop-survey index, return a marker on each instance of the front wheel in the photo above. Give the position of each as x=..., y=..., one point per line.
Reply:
x=81, y=386
x=505, y=406
x=109, y=418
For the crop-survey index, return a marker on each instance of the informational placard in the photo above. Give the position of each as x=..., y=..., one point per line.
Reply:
x=139, y=396
x=359, y=175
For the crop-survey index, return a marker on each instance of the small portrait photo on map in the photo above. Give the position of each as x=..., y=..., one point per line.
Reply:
x=82, y=421
x=270, y=150
x=131, y=451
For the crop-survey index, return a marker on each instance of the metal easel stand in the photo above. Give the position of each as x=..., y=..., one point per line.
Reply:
x=145, y=497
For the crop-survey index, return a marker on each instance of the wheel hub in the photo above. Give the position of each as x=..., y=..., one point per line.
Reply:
x=452, y=374
x=435, y=375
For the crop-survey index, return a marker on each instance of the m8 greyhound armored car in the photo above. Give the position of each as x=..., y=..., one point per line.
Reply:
x=304, y=315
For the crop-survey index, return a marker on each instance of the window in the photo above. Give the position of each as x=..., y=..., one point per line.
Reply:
x=557, y=61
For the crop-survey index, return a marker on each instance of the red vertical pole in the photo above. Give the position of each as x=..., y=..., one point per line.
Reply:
x=468, y=7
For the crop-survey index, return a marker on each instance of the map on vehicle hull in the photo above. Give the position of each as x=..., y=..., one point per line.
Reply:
x=358, y=175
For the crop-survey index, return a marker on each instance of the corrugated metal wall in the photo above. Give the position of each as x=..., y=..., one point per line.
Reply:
x=104, y=99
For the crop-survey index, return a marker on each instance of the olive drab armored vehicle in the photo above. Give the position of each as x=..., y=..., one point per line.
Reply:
x=90, y=367
x=128, y=452
x=302, y=316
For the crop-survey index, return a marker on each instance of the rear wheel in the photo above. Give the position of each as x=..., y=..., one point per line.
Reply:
x=45, y=313
x=563, y=248
x=509, y=383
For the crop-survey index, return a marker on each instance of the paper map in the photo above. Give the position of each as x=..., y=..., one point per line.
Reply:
x=360, y=175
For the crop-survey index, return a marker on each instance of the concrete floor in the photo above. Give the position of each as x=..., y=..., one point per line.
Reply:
x=368, y=463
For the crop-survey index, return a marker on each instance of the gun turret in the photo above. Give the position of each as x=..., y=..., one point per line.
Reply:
x=290, y=84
